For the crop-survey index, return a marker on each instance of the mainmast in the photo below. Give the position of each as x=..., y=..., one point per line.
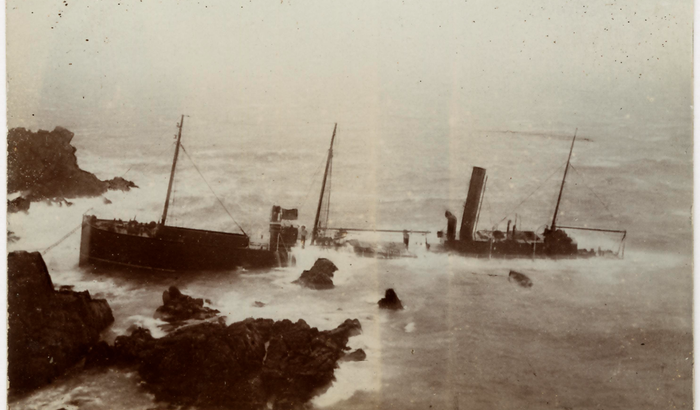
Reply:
x=561, y=190
x=314, y=232
x=172, y=171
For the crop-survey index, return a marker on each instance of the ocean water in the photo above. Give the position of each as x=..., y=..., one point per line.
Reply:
x=599, y=333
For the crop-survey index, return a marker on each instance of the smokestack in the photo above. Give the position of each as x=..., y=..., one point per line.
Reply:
x=471, y=208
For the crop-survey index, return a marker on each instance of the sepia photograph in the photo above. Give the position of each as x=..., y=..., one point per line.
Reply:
x=451, y=204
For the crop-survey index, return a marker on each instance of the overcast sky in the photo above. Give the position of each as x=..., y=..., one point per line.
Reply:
x=503, y=64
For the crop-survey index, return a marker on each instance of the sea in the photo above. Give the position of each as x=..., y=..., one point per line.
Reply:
x=600, y=333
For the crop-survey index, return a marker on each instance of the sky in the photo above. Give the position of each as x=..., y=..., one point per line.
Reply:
x=489, y=65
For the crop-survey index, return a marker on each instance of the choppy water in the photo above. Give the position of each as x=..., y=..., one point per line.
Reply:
x=589, y=333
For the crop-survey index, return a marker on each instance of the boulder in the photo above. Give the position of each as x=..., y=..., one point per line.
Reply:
x=178, y=307
x=390, y=301
x=252, y=364
x=319, y=277
x=43, y=165
x=49, y=331
x=520, y=279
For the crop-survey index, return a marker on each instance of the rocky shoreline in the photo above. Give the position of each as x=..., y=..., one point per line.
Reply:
x=49, y=330
x=251, y=364
x=202, y=362
x=42, y=166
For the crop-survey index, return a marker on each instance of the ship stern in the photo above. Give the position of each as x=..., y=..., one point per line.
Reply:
x=85, y=234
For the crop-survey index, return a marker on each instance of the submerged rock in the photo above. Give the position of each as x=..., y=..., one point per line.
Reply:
x=320, y=276
x=43, y=164
x=178, y=307
x=390, y=301
x=252, y=364
x=49, y=331
x=520, y=279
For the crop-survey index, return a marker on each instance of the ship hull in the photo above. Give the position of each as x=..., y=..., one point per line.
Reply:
x=173, y=249
x=509, y=249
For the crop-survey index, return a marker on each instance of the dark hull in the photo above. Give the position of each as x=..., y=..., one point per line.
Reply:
x=173, y=249
x=508, y=249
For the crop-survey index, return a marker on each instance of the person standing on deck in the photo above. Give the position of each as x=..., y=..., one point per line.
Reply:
x=405, y=238
x=302, y=234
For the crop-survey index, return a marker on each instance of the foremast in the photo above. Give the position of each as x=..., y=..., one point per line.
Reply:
x=172, y=171
x=315, y=231
x=563, y=181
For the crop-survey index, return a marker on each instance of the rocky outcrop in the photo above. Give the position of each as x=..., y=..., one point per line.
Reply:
x=119, y=184
x=49, y=330
x=320, y=276
x=390, y=301
x=519, y=279
x=252, y=364
x=178, y=307
x=42, y=165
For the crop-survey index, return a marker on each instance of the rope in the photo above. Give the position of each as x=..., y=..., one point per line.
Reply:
x=172, y=215
x=65, y=236
x=488, y=208
x=212, y=191
x=593, y=192
x=528, y=197
x=157, y=156
x=62, y=239
x=313, y=177
x=328, y=196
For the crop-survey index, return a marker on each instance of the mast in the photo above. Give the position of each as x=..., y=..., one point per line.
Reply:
x=314, y=232
x=172, y=171
x=478, y=212
x=561, y=190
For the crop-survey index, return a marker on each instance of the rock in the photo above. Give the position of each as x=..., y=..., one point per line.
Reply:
x=345, y=331
x=258, y=304
x=100, y=355
x=106, y=200
x=43, y=165
x=252, y=364
x=120, y=184
x=178, y=307
x=18, y=204
x=49, y=331
x=390, y=301
x=358, y=355
x=520, y=279
x=132, y=348
x=319, y=277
